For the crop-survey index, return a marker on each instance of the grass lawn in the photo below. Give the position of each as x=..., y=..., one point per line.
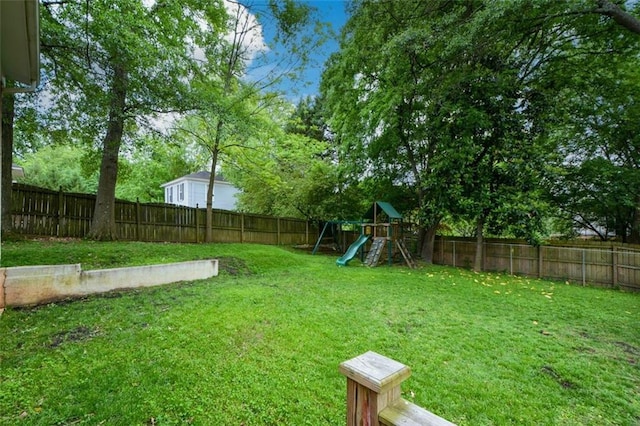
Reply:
x=261, y=343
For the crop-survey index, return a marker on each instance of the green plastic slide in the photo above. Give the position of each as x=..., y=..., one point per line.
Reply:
x=352, y=250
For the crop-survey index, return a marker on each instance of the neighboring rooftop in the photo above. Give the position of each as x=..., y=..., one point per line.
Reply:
x=202, y=175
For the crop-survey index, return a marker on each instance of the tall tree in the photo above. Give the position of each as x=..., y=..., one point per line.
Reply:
x=239, y=81
x=374, y=99
x=618, y=14
x=113, y=63
x=453, y=99
x=291, y=172
x=595, y=178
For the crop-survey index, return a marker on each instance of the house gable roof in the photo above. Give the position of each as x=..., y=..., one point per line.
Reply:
x=16, y=171
x=201, y=176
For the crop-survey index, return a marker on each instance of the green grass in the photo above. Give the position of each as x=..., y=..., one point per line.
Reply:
x=261, y=343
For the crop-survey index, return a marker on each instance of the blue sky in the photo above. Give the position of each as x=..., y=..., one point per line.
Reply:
x=333, y=12
x=329, y=11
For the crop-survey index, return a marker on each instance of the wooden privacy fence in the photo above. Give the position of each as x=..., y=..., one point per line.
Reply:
x=38, y=211
x=606, y=266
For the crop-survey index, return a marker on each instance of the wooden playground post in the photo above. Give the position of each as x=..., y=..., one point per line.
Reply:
x=363, y=231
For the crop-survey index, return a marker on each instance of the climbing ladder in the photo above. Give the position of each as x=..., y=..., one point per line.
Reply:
x=374, y=253
x=406, y=254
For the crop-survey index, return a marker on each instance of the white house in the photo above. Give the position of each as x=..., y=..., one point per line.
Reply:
x=16, y=172
x=191, y=190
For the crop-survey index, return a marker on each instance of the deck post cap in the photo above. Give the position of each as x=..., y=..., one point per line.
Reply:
x=375, y=371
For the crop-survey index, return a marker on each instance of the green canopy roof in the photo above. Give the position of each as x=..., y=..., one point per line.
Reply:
x=385, y=207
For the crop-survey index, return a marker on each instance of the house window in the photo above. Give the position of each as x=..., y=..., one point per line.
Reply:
x=181, y=192
x=170, y=194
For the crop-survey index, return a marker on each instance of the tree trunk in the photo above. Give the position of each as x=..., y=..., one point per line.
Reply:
x=212, y=177
x=210, y=194
x=103, y=225
x=477, y=262
x=428, y=237
x=7, y=160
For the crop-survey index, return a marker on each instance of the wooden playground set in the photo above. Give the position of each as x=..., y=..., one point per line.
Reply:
x=380, y=229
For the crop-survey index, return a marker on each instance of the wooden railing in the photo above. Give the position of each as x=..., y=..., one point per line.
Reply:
x=374, y=394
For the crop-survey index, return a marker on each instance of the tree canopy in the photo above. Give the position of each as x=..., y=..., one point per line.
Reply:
x=238, y=84
x=289, y=170
x=112, y=64
x=495, y=115
x=456, y=101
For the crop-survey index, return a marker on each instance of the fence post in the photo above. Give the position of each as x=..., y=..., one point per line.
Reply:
x=306, y=232
x=484, y=255
x=614, y=265
x=540, y=261
x=59, y=232
x=454, y=253
x=278, y=227
x=138, y=220
x=197, y=211
x=510, y=259
x=374, y=395
x=584, y=267
x=241, y=227
x=180, y=216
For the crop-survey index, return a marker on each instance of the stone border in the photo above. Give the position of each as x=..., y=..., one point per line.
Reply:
x=34, y=285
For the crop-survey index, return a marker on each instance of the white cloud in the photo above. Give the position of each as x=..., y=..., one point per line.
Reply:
x=244, y=30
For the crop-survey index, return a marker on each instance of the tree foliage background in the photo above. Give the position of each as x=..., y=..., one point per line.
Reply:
x=494, y=118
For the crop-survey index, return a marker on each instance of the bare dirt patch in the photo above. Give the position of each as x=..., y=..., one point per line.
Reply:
x=550, y=371
x=233, y=266
x=632, y=352
x=326, y=249
x=78, y=334
x=630, y=349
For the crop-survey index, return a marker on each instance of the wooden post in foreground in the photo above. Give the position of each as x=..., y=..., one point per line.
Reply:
x=374, y=396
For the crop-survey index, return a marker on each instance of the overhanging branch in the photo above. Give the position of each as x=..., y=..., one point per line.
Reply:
x=623, y=18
